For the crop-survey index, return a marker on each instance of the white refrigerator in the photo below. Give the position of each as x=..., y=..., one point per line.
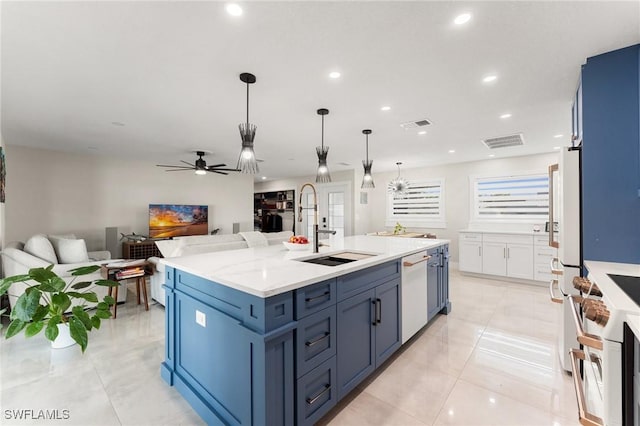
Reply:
x=564, y=208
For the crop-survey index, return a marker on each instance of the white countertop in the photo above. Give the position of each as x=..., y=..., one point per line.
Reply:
x=268, y=271
x=481, y=231
x=616, y=298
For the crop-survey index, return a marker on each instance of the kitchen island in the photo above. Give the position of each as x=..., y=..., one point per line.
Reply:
x=259, y=337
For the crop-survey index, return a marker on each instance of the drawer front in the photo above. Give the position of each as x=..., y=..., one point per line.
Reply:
x=315, y=297
x=543, y=273
x=466, y=236
x=359, y=281
x=316, y=393
x=508, y=238
x=315, y=340
x=544, y=255
x=541, y=240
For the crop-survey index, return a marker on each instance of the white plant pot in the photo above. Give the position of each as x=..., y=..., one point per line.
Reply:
x=64, y=339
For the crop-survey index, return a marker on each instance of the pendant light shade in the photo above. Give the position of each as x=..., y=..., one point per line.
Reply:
x=398, y=186
x=247, y=161
x=323, y=175
x=367, y=179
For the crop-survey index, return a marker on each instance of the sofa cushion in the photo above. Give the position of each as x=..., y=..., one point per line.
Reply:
x=40, y=246
x=275, y=238
x=72, y=251
x=55, y=241
x=210, y=248
x=254, y=239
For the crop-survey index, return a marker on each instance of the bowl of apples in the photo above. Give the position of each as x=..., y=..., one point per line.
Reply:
x=297, y=242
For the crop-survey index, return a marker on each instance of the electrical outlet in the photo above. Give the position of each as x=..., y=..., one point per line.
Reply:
x=201, y=318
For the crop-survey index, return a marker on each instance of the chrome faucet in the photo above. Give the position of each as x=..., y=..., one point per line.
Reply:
x=316, y=231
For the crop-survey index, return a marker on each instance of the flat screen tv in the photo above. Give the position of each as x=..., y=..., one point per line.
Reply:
x=176, y=220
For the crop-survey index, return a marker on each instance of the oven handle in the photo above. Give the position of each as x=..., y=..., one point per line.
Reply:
x=584, y=338
x=554, y=270
x=554, y=299
x=424, y=259
x=585, y=418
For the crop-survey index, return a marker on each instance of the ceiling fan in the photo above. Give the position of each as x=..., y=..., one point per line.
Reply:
x=200, y=166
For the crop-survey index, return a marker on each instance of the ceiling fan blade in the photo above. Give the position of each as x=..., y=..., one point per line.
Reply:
x=215, y=165
x=192, y=165
x=228, y=170
x=186, y=169
x=220, y=173
x=177, y=167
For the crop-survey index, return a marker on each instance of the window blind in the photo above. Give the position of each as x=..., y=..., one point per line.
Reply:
x=512, y=197
x=422, y=205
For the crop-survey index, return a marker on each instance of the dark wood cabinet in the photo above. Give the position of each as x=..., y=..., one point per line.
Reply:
x=274, y=211
x=141, y=250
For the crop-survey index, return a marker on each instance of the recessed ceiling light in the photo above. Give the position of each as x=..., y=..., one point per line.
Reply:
x=557, y=136
x=264, y=177
x=334, y=74
x=507, y=115
x=490, y=78
x=492, y=155
x=385, y=108
x=452, y=151
x=423, y=132
x=556, y=147
x=234, y=9
x=462, y=19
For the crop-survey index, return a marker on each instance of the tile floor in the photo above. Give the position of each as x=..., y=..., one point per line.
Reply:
x=491, y=361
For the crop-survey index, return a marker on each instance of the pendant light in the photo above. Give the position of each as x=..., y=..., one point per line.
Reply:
x=323, y=175
x=398, y=186
x=247, y=161
x=367, y=179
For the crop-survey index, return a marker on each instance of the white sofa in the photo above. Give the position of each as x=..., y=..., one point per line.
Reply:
x=40, y=251
x=184, y=246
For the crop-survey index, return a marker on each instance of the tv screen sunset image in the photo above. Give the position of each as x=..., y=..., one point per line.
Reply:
x=174, y=220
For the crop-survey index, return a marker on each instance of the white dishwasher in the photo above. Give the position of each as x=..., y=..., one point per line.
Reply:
x=414, y=294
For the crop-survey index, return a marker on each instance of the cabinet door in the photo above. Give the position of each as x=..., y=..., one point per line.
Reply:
x=494, y=258
x=356, y=340
x=387, y=328
x=520, y=261
x=433, y=299
x=471, y=256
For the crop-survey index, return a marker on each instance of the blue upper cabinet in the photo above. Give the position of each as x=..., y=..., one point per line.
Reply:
x=610, y=124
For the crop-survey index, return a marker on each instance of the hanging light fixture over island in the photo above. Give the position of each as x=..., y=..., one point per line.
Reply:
x=323, y=175
x=367, y=179
x=398, y=186
x=247, y=161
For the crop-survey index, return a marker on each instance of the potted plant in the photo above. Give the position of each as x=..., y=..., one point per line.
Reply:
x=45, y=305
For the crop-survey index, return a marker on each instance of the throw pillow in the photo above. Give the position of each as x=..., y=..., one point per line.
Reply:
x=40, y=246
x=55, y=241
x=72, y=251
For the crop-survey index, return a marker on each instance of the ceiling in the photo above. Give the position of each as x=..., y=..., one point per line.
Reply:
x=155, y=80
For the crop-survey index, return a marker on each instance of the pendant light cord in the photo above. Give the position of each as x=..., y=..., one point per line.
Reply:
x=367, y=149
x=322, y=137
x=247, y=105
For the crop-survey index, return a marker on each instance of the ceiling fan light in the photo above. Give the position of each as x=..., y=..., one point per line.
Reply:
x=201, y=172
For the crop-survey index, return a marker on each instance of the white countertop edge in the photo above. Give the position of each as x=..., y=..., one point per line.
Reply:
x=270, y=261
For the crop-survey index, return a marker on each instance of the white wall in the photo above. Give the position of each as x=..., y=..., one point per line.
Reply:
x=57, y=192
x=457, y=196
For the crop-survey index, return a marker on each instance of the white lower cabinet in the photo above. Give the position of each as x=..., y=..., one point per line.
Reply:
x=506, y=255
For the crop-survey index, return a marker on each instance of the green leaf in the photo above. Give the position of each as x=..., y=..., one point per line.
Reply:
x=60, y=303
x=5, y=283
x=84, y=270
x=41, y=312
x=78, y=332
x=51, y=332
x=83, y=284
x=14, y=328
x=50, y=267
x=34, y=328
x=109, y=300
x=104, y=314
x=41, y=275
x=103, y=306
x=89, y=297
x=95, y=321
x=106, y=283
x=82, y=316
x=52, y=285
x=27, y=304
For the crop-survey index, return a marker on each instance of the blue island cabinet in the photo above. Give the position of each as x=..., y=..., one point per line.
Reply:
x=239, y=359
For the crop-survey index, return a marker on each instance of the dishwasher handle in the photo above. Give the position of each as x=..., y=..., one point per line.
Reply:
x=424, y=259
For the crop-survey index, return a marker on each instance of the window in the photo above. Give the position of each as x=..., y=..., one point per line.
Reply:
x=422, y=206
x=509, y=198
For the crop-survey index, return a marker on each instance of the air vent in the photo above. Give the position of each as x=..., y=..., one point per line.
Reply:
x=504, y=141
x=417, y=123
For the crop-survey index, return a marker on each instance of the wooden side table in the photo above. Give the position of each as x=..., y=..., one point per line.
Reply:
x=110, y=273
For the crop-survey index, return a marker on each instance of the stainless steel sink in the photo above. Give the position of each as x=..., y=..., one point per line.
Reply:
x=336, y=259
